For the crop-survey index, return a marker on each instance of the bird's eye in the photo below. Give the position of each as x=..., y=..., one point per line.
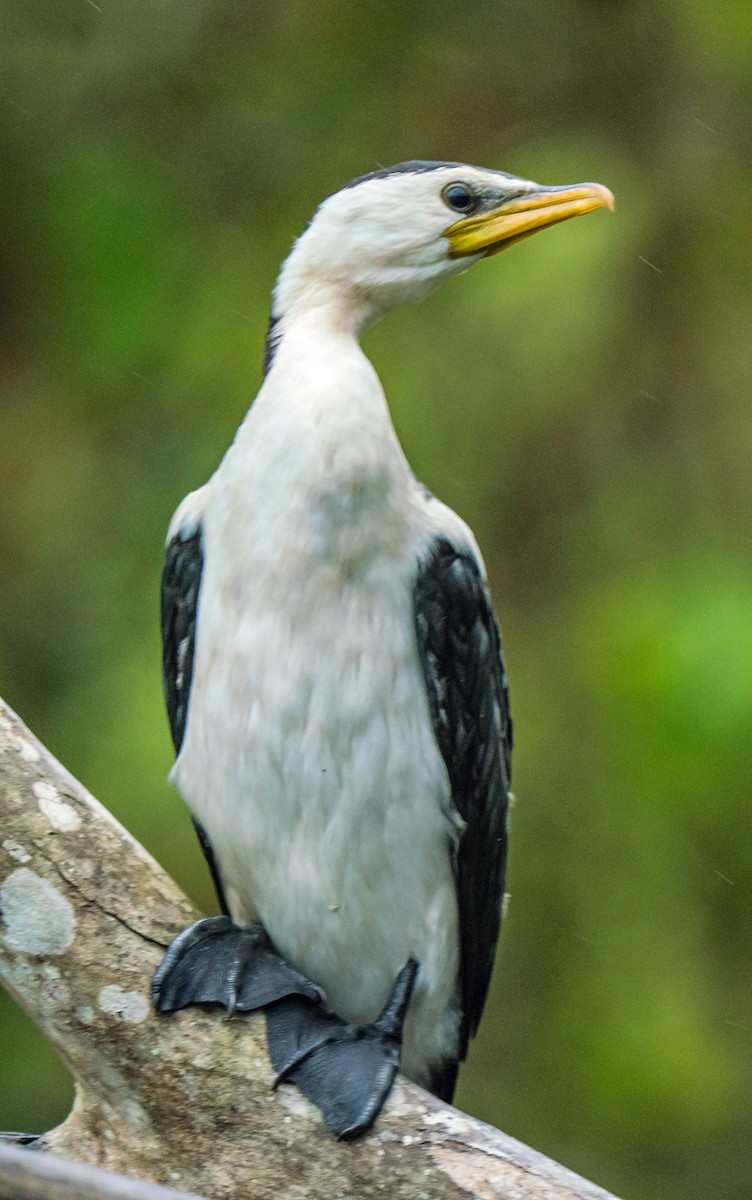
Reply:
x=460, y=197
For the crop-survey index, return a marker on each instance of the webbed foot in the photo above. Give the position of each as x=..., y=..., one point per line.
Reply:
x=218, y=962
x=346, y=1070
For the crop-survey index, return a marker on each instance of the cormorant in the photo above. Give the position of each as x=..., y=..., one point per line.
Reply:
x=333, y=673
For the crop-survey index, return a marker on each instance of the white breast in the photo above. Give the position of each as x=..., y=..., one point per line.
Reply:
x=309, y=755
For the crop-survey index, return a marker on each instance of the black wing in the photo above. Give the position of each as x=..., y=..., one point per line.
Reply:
x=460, y=652
x=181, y=581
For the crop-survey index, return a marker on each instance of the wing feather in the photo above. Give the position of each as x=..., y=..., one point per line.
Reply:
x=181, y=583
x=468, y=696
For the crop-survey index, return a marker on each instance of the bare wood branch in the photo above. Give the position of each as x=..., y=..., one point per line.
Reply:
x=25, y=1175
x=187, y=1100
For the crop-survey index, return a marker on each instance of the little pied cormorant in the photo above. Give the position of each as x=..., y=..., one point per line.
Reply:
x=333, y=673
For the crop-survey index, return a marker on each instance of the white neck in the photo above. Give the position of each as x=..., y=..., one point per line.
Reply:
x=322, y=391
x=317, y=458
x=300, y=295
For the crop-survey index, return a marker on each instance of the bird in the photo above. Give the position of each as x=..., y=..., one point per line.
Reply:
x=333, y=673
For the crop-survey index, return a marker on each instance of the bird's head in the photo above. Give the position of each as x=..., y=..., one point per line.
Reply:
x=391, y=236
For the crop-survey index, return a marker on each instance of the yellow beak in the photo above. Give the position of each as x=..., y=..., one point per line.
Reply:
x=518, y=218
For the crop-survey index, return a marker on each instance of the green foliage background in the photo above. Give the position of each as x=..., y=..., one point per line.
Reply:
x=583, y=401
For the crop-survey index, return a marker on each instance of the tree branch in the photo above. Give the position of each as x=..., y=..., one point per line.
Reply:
x=187, y=1100
x=25, y=1176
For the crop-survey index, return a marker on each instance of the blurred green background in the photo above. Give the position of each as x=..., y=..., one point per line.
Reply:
x=583, y=401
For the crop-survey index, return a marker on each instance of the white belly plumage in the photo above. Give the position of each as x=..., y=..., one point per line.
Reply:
x=310, y=760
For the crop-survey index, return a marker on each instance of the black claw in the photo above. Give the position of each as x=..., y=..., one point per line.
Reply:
x=217, y=962
x=346, y=1070
x=392, y=1017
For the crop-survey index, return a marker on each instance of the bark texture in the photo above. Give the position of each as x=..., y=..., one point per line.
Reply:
x=187, y=1100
